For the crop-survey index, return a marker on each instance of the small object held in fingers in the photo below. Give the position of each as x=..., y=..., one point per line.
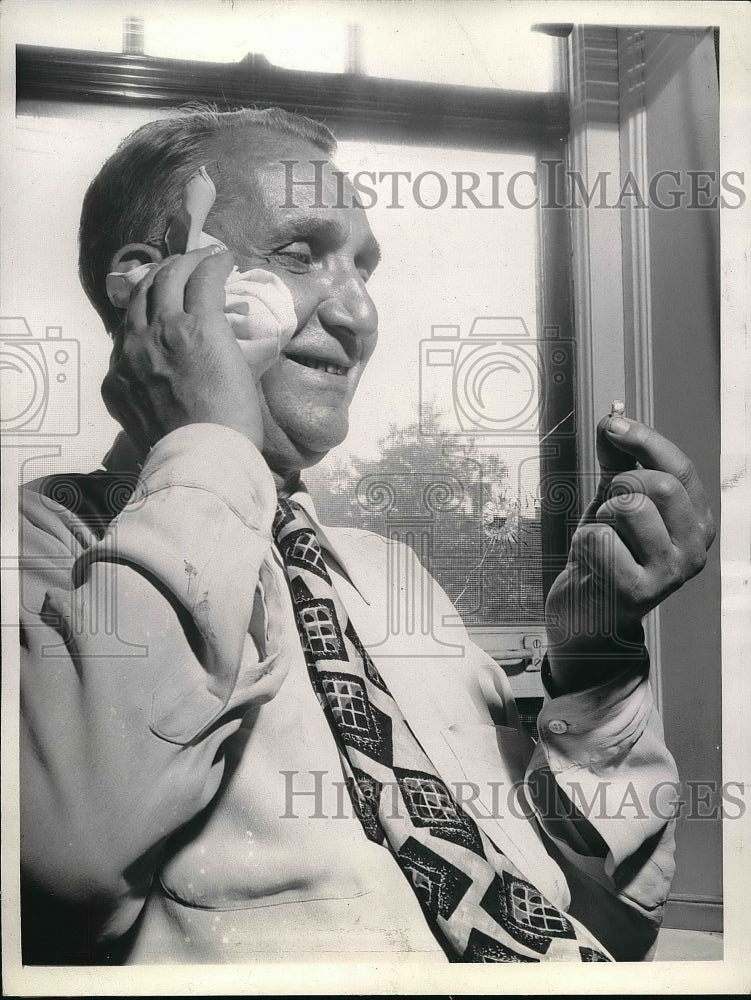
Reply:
x=617, y=408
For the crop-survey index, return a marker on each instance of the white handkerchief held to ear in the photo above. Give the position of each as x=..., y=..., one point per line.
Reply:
x=258, y=305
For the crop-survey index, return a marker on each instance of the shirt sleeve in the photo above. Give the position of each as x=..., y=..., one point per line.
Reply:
x=140, y=652
x=604, y=787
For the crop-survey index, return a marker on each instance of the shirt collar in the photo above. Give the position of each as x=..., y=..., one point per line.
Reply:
x=352, y=569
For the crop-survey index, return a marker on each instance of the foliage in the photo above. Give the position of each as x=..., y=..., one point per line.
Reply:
x=448, y=499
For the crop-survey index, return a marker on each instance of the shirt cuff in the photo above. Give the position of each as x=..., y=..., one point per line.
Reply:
x=605, y=748
x=593, y=726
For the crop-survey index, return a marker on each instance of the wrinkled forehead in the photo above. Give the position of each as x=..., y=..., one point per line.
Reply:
x=281, y=175
x=307, y=180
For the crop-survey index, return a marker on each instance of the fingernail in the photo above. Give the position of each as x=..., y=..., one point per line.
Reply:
x=618, y=425
x=217, y=249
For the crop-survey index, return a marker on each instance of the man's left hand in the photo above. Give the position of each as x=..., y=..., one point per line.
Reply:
x=645, y=534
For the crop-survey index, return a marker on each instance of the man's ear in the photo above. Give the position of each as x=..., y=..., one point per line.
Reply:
x=124, y=263
x=133, y=255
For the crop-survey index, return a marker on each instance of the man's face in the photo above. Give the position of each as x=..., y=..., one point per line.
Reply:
x=324, y=255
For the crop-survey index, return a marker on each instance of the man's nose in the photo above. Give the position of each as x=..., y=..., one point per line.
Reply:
x=350, y=306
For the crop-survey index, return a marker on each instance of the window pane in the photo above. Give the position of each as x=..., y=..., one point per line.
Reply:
x=443, y=450
x=451, y=42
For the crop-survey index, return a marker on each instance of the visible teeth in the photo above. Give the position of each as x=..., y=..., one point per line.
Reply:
x=324, y=366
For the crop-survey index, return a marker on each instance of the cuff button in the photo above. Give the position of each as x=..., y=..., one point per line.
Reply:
x=557, y=726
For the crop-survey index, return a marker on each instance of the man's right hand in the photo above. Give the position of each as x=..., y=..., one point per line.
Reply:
x=175, y=359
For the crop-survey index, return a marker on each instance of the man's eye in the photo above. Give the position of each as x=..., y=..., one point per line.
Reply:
x=296, y=254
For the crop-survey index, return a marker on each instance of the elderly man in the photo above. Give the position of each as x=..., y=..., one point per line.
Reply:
x=214, y=768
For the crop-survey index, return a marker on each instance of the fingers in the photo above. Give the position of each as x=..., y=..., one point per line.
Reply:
x=162, y=293
x=610, y=457
x=653, y=451
x=616, y=590
x=671, y=500
x=646, y=533
x=622, y=443
x=137, y=316
x=652, y=514
x=204, y=291
x=599, y=549
x=639, y=524
x=611, y=461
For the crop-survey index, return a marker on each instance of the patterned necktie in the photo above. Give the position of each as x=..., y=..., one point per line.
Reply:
x=473, y=897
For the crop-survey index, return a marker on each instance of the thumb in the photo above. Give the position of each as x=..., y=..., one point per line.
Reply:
x=612, y=461
x=204, y=292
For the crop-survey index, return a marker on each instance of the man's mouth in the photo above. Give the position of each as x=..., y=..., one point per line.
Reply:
x=318, y=365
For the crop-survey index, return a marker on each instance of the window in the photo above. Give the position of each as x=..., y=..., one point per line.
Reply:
x=466, y=309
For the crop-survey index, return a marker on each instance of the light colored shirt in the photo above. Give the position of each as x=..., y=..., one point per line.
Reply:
x=179, y=776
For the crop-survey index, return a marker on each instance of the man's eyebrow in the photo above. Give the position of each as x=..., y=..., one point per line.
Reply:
x=313, y=226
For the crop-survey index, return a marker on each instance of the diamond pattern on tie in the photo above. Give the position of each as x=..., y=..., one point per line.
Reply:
x=523, y=912
x=321, y=635
x=439, y=885
x=430, y=804
x=300, y=548
x=447, y=859
x=359, y=723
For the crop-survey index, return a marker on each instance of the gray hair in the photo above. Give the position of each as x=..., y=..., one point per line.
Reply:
x=139, y=187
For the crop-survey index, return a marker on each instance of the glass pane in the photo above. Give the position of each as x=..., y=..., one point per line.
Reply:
x=449, y=42
x=443, y=450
